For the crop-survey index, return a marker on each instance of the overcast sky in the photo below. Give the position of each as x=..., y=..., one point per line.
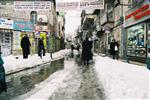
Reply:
x=73, y=19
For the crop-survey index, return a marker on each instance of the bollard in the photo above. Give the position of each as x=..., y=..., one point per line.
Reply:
x=148, y=61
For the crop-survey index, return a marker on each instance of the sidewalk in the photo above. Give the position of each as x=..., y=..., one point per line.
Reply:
x=130, y=62
x=13, y=65
x=122, y=81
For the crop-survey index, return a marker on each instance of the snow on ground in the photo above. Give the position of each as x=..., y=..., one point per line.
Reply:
x=45, y=89
x=12, y=64
x=123, y=81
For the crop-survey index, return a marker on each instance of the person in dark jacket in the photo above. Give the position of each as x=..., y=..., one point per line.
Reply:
x=78, y=47
x=114, y=49
x=41, y=46
x=86, y=51
x=25, y=45
x=3, y=86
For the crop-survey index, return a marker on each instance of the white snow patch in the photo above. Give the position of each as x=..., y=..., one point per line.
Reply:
x=122, y=81
x=12, y=64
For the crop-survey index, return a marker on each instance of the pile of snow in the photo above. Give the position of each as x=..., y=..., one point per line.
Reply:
x=12, y=64
x=122, y=81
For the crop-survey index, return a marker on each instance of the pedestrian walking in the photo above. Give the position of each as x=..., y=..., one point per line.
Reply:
x=78, y=47
x=3, y=86
x=72, y=47
x=114, y=49
x=41, y=47
x=86, y=51
x=25, y=45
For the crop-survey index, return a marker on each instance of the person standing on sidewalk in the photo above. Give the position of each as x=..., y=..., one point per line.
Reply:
x=3, y=86
x=25, y=45
x=114, y=49
x=41, y=46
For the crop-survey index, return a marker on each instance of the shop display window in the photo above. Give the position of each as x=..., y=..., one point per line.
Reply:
x=148, y=38
x=136, y=40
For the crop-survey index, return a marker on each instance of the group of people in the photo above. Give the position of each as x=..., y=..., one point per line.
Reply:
x=87, y=54
x=25, y=45
x=77, y=47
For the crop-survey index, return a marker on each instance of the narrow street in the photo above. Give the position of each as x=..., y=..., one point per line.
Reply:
x=81, y=84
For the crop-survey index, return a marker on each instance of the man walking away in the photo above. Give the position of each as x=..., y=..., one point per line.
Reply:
x=41, y=46
x=25, y=45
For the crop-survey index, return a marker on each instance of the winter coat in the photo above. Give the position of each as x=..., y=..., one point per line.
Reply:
x=41, y=44
x=112, y=47
x=86, y=50
x=25, y=44
x=2, y=76
x=1, y=60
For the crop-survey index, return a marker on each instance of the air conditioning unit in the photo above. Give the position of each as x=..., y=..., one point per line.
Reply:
x=42, y=18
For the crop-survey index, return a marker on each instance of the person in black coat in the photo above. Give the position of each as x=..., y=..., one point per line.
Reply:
x=114, y=49
x=25, y=45
x=41, y=46
x=86, y=51
x=3, y=86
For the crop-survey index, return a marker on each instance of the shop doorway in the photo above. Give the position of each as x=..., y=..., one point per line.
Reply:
x=6, y=42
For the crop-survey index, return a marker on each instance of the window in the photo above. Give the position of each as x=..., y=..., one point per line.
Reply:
x=33, y=16
x=137, y=40
x=148, y=38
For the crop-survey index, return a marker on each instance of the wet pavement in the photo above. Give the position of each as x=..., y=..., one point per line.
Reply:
x=82, y=84
x=24, y=81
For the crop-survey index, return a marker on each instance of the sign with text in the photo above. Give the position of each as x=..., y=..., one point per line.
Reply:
x=80, y=5
x=32, y=5
x=5, y=23
x=24, y=26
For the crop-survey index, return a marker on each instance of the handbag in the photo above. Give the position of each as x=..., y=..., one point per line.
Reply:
x=116, y=48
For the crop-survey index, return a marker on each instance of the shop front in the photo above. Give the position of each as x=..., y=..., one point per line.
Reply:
x=137, y=22
x=21, y=28
x=6, y=27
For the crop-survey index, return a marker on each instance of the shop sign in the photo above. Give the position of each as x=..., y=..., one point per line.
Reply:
x=139, y=13
x=32, y=5
x=41, y=28
x=6, y=24
x=23, y=26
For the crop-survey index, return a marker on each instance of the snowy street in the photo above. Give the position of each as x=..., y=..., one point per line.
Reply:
x=67, y=79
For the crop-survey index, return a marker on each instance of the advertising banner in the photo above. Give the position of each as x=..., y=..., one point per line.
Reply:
x=79, y=5
x=23, y=26
x=6, y=24
x=32, y=5
x=17, y=39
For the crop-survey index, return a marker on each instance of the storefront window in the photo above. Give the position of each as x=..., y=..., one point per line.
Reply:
x=148, y=38
x=136, y=40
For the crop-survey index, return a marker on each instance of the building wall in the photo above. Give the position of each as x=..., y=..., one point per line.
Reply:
x=7, y=11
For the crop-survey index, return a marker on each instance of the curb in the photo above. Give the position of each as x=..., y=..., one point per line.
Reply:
x=35, y=66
